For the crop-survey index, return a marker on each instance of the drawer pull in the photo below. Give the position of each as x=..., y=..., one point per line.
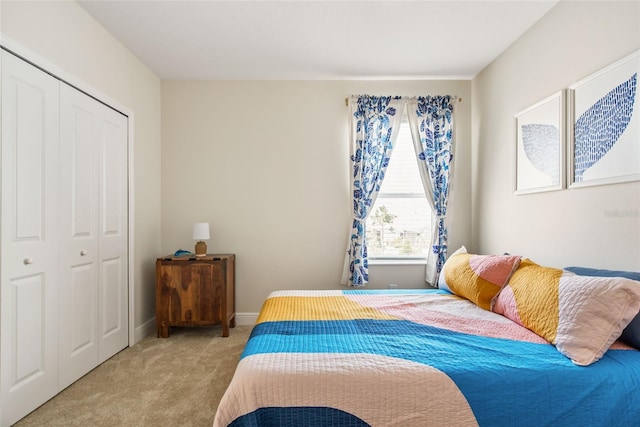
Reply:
x=27, y=261
x=83, y=252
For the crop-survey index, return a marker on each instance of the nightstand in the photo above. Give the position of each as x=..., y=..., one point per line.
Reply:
x=194, y=291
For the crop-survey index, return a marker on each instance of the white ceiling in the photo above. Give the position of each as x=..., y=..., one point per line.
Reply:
x=317, y=40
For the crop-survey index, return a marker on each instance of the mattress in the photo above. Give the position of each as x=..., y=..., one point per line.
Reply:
x=416, y=358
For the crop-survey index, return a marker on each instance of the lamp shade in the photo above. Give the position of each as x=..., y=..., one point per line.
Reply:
x=201, y=231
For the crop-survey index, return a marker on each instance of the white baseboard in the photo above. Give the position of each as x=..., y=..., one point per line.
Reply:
x=246, y=319
x=144, y=330
x=149, y=327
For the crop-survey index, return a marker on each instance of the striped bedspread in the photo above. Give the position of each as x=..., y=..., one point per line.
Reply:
x=416, y=358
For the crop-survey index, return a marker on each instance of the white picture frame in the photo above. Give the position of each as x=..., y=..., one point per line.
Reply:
x=604, y=125
x=540, y=146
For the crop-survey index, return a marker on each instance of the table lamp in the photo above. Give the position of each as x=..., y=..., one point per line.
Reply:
x=200, y=233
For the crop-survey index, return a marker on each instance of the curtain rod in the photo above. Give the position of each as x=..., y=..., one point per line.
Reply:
x=346, y=101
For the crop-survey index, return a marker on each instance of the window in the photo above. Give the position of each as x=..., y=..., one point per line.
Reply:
x=399, y=225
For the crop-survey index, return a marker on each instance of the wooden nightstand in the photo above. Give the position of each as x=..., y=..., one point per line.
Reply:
x=194, y=291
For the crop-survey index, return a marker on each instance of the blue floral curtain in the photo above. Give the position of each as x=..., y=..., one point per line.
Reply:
x=375, y=122
x=431, y=122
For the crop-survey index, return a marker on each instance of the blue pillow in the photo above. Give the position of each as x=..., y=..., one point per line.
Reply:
x=630, y=334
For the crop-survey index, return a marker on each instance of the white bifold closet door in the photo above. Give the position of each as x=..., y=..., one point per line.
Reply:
x=63, y=242
x=29, y=241
x=93, y=233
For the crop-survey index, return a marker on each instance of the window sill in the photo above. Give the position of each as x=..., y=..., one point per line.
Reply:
x=397, y=262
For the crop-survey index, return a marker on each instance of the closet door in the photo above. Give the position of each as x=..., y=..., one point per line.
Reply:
x=29, y=239
x=113, y=333
x=93, y=226
x=79, y=241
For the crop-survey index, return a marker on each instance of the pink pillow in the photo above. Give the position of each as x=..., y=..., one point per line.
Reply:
x=477, y=278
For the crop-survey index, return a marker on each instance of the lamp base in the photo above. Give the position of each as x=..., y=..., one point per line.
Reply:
x=201, y=249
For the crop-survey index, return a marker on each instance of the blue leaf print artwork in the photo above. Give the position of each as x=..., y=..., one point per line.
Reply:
x=600, y=127
x=541, y=145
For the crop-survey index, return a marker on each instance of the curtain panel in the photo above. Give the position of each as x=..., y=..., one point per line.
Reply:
x=375, y=121
x=431, y=123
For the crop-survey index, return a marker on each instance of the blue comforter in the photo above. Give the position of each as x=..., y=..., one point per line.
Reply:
x=439, y=358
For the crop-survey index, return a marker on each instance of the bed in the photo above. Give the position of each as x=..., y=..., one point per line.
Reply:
x=418, y=358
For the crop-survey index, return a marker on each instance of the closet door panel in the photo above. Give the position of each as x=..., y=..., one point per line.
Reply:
x=79, y=258
x=81, y=302
x=80, y=156
x=29, y=239
x=29, y=172
x=26, y=339
x=113, y=233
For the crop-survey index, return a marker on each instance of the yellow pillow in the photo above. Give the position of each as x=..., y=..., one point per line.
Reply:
x=477, y=278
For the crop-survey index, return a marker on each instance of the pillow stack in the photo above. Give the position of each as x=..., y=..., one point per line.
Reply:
x=581, y=315
x=581, y=311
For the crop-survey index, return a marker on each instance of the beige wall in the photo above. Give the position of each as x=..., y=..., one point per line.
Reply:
x=273, y=183
x=63, y=34
x=265, y=163
x=574, y=226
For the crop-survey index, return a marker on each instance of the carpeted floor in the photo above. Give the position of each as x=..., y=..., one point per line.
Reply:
x=176, y=381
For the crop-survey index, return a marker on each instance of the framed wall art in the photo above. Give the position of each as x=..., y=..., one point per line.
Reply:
x=604, y=125
x=540, y=146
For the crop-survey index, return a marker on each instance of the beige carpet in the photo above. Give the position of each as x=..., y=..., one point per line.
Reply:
x=177, y=381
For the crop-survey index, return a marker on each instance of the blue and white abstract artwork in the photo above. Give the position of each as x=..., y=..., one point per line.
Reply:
x=600, y=127
x=606, y=126
x=540, y=146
